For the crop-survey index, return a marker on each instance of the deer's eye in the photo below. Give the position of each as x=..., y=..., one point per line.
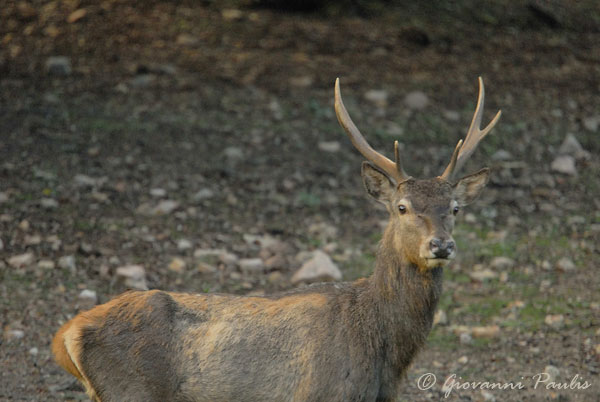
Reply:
x=402, y=209
x=455, y=210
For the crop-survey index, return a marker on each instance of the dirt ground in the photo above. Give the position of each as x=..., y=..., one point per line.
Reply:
x=226, y=114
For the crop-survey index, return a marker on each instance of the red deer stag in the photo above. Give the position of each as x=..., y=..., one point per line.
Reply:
x=326, y=342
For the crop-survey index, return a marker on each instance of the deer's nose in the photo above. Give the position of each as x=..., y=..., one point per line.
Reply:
x=441, y=248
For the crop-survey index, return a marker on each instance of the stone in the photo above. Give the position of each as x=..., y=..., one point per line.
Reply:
x=556, y=321
x=275, y=261
x=88, y=296
x=465, y=338
x=329, y=146
x=208, y=252
x=303, y=81
x=317, y=269
x=233, y=153
x=463, y=360
x=501, y=263
x=570, y=146
x=158, y=192
x=3, y=197
x=591, y=123
x=251, y=265
x=33, y=351
x=203, y=194
x=205, y=268
x=564, y=164
x=491, y=331
x=67, y=262
x=416, y=100
x=177, y=265
x=21, y=260
x=82, y=180
x=440, y=317
x=565, y=264
x=483, y=275
x=58, y=65
x=76, y=15
x=134, y=276
x=451, y=115
x=32, y=240
x=14, y=334
x=46, y=264
x=379, y=97
x=48, y=203
x=165, y=207
x=184, y=244
x=231, y=14
x=501, y=155
x=552, y=371
x=186, y=40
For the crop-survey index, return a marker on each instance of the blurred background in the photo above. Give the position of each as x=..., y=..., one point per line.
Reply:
x=192, y=146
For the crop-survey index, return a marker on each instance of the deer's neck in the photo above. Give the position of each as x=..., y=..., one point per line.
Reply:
x=406, y=299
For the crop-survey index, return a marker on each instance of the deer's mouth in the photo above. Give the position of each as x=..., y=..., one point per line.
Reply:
x=438, y=261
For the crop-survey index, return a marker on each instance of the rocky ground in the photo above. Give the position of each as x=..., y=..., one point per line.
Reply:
x=194, y=148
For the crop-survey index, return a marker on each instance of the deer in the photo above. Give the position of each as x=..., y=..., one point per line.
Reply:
x=332, y=341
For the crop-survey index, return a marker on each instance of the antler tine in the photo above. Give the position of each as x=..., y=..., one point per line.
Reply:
x=394, y=170
x=474, y=135
x=450, y=168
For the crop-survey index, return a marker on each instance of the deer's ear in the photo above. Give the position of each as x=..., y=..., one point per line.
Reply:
x=377, y=183
x=468, y=188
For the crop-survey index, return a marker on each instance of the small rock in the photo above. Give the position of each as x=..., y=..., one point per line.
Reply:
x=329, y=146
x=275, y=261
x=318, y=268
x=46, y=264
x=67, y=262
x=203, y=194
x=487, y=396
x=24, y=225
x=303, y=81
x=491, y=331
x=3, y=197
x=21, y=260
x=233, y=153
x=465, y=338
x=76, y=15
x=440, y=318
x=451, y=115
x=251, y=265
x=58, y=65
x=483, y=275
x=379, y=97
x=470, y=218
x=186, y=40
x=501, y=155
x=88, y=296
x=228, y=259
x=33, y=351
x=205, y=268
x=158, y=192
x=591, y=123
x=565, y=264
x=184, y=244
x=134, y=276
x=208, y=252
x=32, y=240
x=230, y=14
x=275, y=278
x=26, y=10
x=416, y=100
x=556, y=321
x=176, y=265
x=463, y=360
x=142, y=80
x=48, y=203
x=502, y=263
x=82, y=180
x=564, y=164
x=570, y=146
x=14, y=334
x=165, y=207
x=552, y=371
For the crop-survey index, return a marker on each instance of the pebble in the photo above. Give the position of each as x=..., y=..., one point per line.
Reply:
x=564, y=164
x=319, y=268
x=487, y=396
x=203, y=194
x=177, y=265
x=451, y=115
x=208, y=252
x=570, y=146
x=591, y=123
x=46, y=264
x=501, y=155
x=379, y=97
x=231, y=14
x=483, y=275
x=14, y=334
x=552, y=371
x=465, y=338
x=165, y=207
x=33, y=351
x=502, y=263
x=491, y=331
x=556, y=321
x=565, y=264
x=416, y=100
x=3, y=197
x=463, y=360
x=21, y=260
x=440, y=317
x=89, y=296
x=184, y=244
x=134, y=276
x=302, y=81
x=233, y=153
x=82, y=180
x=329, y=146
x=158, y=192
x=48, y=203
x=186, y=40
x=67, y=262
x=58, y=65
x=251, y=265
x=205, y=268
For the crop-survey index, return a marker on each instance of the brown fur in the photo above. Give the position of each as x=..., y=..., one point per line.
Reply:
x=325, y=342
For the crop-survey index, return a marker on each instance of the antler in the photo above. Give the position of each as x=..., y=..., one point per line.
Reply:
x=394, y=170
x=464, y=149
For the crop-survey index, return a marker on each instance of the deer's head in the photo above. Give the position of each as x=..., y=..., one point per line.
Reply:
x=422, y=211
